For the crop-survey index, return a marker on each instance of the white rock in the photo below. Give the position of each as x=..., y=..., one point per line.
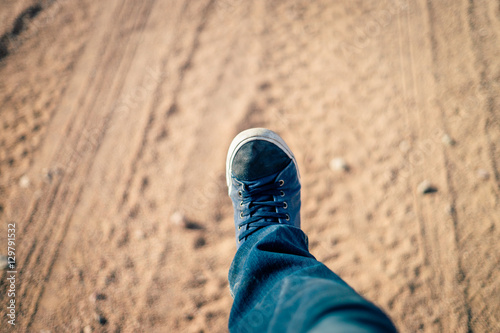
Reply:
x=426, y=187
x=448, y=140
x=87, y=329
x=339, y=164
x=483, y=174
x=24, y=181
x=139, y=234
x=404, y=146
x=177, y=218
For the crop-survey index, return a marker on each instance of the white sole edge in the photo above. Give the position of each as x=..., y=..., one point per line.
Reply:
x=254, y=134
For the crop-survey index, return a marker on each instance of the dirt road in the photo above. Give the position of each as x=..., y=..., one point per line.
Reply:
x=116, y=116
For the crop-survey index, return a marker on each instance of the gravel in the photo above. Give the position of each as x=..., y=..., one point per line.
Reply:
x=339, y=164
x=426, y=187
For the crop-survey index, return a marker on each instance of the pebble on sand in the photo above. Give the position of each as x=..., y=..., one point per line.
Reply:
x=24, y=181
x=404, y=146
x=339, y=164
x=95, y=296
x=483, y=174
x=448, y=140
x=4, y=263
x=101, y=319
x=139, y=234
x=49, y=174
x=426, y=187
x=177, y=218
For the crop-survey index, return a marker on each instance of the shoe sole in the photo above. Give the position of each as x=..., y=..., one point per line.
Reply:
x=255, y=134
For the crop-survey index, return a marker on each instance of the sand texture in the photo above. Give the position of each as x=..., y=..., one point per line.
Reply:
x=115, y=120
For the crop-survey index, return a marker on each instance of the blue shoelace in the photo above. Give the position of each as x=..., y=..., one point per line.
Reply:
x=261, y=207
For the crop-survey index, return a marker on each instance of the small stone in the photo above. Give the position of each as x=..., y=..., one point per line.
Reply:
x=200, y=242
x=47, y=175
x=101, y=319
x=339, y=164
x=448, y=140
x=139, y=234
x=483, y=32
x=404, y=146
x=95, y=296
x=24, y=181
x=4, y=262
x=483, y=174
x=87, y=329
x=426, y=187
x=178, y=218
x=110, y=278
x=449, y=209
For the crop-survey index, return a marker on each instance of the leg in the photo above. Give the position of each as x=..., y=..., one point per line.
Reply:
x=277, y=285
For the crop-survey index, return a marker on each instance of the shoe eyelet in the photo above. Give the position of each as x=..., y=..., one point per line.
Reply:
x=239, y=241
x=239, y=227
x=241, y=215
x=240, y=194
x=287, y=217
x=285, y=205
x=282, y=193
x=241, y=203
x=282, y=182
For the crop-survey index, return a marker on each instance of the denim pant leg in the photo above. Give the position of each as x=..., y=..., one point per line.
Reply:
x=278, y=286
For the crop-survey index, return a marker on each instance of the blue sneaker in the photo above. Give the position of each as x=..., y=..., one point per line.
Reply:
x=263, y=182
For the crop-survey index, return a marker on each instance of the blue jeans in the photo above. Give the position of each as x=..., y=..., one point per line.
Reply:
x=278, y=286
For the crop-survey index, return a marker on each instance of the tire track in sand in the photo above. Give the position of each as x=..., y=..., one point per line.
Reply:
x=439, y=240
x=210, y=121
x=488, y=84
x=458, y=174
x=45, y=263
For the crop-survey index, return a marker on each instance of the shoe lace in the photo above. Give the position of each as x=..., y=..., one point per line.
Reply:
x=261, y=207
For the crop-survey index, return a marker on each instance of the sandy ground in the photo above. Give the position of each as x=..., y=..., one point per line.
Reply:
x=116, y=117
